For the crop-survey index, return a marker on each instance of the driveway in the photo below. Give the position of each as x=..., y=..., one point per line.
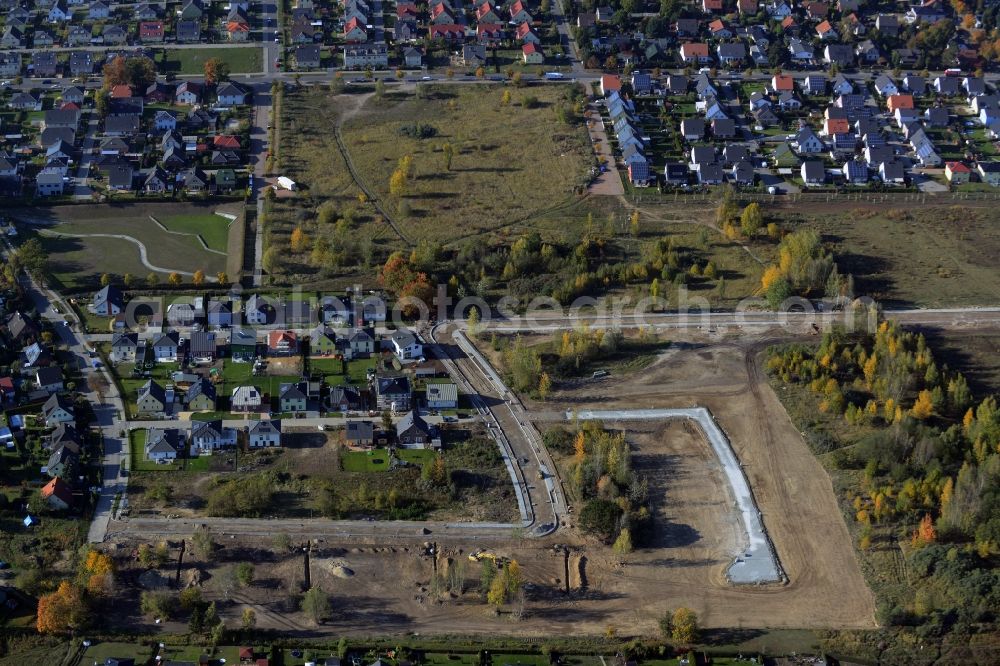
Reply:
x=608, y=183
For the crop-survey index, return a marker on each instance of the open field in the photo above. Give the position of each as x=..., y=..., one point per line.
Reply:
x=241, y=60
x=500, y=156
x=485, y=190
x=915, y=257
x=78, y=262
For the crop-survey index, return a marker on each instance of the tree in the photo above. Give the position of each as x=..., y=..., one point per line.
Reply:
x=245, y=574
x=139, y=72
x=924, y=406
x=198, y=277
x=299, y=242
x=379, y=89
x=487, y=574
x=472, y=321
x=449, y=153
x=505, y=98
x=684, y=626
x=105, y=279
x=152, y=280
x=249, y=619
x=156, y=604
x=222, y=278
x=128, y=280
x=623, y=544
x=316, y=604
x=190, y=598
x=114, y=72
x=203, y=542
x=751, y=220
x=925, y=533
x=215, y=70
x=61, y=610
x=497, y=594
x=397, y=183
x=634, y=228
x=98, y=384
x=175, y=279
x=600, y=517
x=544, y=386
x=31, y=256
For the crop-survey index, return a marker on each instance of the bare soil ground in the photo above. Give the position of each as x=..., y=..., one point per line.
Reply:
x=391, y=583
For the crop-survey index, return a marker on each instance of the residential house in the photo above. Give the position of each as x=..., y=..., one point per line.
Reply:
x=193, y=180
x=210, y=436
x=242, y=344
x=323, y=341
x=838, y=54
x=957, y=173
x=57, y=494
x=695, y=52
x=855, y=172
x=412, y=432
x=369, y=54
x=62, y=462
x=732, y=54
x=49, y=379
x=826, y=32
x=258, y=311
x=114, y=34
x=807, y=142
x=10, y=64
x=166, y=347
x=693, y=129
x=949, y=86
x=307, y=56
x=49, y=184
x=35, y=356
x=936, y=116
x=813, y=173
x=413, y=57
x=151, y=32
x=989, y=173
x=359, y=343
x=359, y=434
x=293, y=398
x=282, y=343
x=406, y=345
x=230, y=94
x=246, y=399
x=219, y=313
x=344, y=399
x=532, y=54
x=892, y=172
x=164, y=445
x=885, y=86
x=202, y=347
x=152, y=400
x=120, y=176
x=225, y=180
x=58, y=409
x=25, y=102
x=519, y=13
x=123, y=347
x=264, y=434
x=59, y=13
x=188, y=92
x=442, y=396
x=393, y=393
x=200, y=396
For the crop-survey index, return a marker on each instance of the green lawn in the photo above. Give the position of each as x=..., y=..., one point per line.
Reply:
x=214, y=229
x=241, y=60
x=416, y=456
x=78, y=259
x=376, y=460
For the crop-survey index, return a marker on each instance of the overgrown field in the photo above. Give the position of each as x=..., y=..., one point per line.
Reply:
x=918, y=257
x=312, y=476
x=510, y=163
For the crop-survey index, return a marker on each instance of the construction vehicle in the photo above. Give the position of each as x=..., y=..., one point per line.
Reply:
x=480, y=555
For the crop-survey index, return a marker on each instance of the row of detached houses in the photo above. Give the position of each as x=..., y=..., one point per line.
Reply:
x=164, y=445
x=846, y=33
x=860, y=138
x=253, y=310
x=74, y=23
